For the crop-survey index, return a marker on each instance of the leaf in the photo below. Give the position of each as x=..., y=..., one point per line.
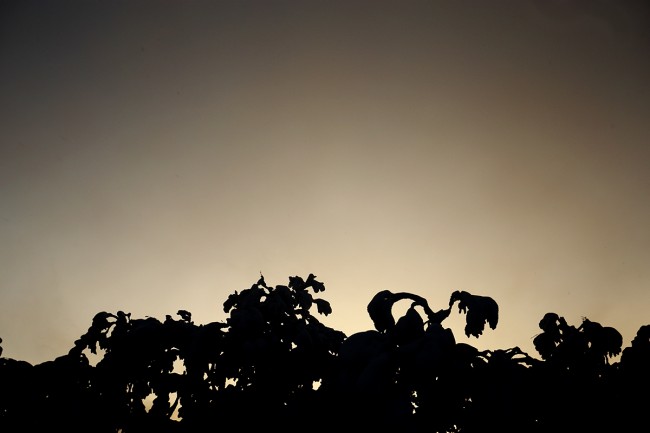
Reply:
x=380, y=310
x=232, y=301
x=185, y=315
x=297, y=283
x=304, y=299
x=479, y=309
x=323, y=306
x=100, y=321
x=544, y=344
x=408, y=327
x=316, y=285
x=613, y=341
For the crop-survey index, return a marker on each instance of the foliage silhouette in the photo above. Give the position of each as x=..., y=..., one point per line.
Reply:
x=273, y=364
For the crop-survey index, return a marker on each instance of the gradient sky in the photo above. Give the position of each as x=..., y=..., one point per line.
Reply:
x=159, y=155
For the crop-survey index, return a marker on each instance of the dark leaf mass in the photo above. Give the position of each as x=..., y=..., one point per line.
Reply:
x=272, y=365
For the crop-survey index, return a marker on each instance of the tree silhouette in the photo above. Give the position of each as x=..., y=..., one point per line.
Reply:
x=272, y=364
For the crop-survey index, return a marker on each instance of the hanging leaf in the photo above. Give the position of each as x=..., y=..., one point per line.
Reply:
x=323, y=306
x=479, y=310
x=380, y=310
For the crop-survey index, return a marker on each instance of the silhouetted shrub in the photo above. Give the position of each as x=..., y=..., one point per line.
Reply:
x=273, y=364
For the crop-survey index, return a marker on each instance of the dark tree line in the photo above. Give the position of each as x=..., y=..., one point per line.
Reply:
x=273, y=365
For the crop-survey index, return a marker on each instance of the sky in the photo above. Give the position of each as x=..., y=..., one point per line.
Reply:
x=160, y=155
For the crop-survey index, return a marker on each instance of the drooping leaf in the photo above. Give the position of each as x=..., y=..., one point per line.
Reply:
x=323, y=306
x=612, y=341
x=100, y=321
x=380, y=310
x=544, y=344
x=479, y=311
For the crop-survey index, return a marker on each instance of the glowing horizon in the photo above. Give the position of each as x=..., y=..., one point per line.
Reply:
x=159, y=156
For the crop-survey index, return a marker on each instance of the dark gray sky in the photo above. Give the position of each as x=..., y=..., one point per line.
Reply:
x=158, y=155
